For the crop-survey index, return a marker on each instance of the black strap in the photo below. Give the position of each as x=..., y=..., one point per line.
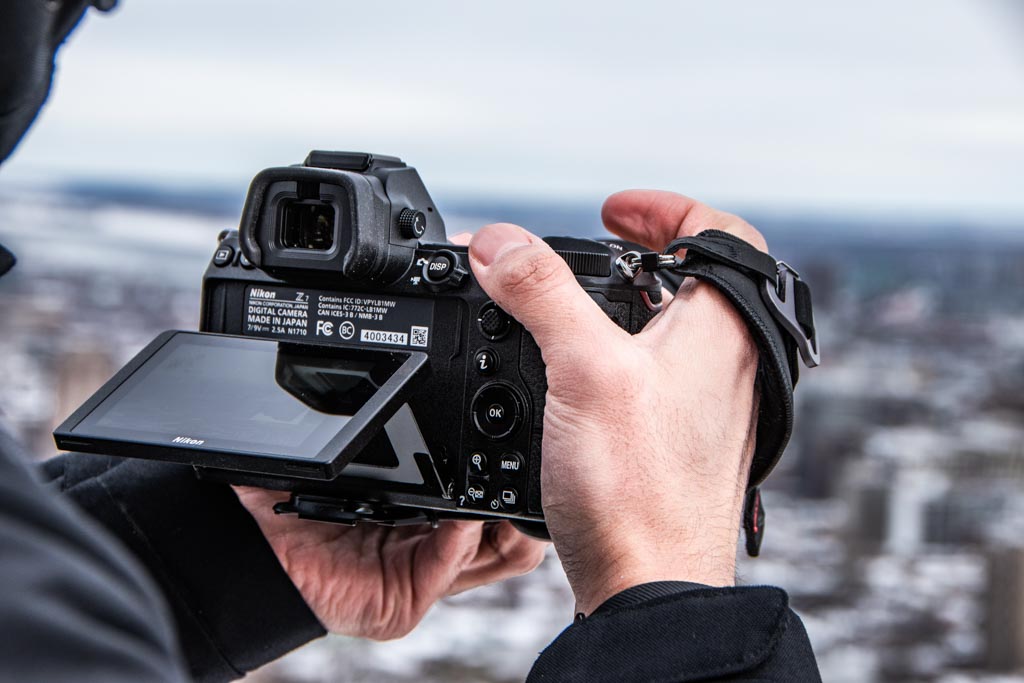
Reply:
x=726, y=248
x=776, y=305
x=804, y=314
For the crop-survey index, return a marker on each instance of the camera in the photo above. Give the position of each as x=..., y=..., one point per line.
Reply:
x=347, y=355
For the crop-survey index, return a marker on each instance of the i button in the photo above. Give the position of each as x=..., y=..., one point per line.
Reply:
x=486, y=362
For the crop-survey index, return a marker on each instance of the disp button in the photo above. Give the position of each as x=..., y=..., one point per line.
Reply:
x=437, y=269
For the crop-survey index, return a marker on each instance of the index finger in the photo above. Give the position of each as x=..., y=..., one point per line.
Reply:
x=654, y=218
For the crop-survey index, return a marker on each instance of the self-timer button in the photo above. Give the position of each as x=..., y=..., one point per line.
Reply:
x=223, y=256
x=494, y=322
x=509, y=499
x=497, y=411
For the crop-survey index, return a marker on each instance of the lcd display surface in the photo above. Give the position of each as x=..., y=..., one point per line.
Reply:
x=246, y=395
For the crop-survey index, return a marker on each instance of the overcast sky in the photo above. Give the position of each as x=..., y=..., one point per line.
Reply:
x=875, y=106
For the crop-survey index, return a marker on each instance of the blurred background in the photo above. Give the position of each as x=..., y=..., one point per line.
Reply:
x=879, y=146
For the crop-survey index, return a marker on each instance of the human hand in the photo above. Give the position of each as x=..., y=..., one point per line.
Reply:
x=378, y=582
x=648, y=438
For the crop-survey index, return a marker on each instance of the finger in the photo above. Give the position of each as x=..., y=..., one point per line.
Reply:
x=534, y=285
x=654, y=218
x=462, y=238
x=504, y=552
x=260, y=504
x=443, y=556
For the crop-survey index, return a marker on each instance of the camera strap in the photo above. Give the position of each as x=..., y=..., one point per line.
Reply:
x=775, y=303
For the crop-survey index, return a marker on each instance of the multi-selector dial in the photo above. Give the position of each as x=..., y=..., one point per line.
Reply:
x=497, y=410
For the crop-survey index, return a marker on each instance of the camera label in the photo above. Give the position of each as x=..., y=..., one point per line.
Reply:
x=355, y=318
x=382, y=337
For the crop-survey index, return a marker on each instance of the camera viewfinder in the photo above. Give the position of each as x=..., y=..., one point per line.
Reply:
x=307, y=224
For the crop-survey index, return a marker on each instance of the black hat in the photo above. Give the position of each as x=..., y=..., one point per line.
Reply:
x=30, y=34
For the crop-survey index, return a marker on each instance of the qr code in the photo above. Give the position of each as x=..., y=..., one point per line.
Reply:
x=418, y=336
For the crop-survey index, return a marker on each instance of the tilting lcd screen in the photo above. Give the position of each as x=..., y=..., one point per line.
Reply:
x=231, y=394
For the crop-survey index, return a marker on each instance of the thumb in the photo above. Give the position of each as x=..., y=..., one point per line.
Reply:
x=534, y=285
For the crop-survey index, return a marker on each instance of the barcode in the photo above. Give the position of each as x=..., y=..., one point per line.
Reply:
x=418, y=336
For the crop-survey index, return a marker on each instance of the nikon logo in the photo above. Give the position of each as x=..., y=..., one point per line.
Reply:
x=263, y=293
x=188, y=441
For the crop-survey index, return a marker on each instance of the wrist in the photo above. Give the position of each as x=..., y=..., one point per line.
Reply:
x=600, y=576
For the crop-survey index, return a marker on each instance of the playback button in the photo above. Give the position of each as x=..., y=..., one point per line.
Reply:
x=224, y=256
x=497, y=411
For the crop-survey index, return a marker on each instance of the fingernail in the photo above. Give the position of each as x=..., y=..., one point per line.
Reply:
x=491, y=241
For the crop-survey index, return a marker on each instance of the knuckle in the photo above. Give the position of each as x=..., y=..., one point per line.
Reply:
x=754, y=236
x=526, y=561
x=731, y=223
x=529, y=273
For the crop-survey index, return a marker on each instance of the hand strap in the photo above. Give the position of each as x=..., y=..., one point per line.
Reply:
x=776, y=305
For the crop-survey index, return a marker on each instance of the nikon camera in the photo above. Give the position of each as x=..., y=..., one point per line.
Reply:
x=347, y=355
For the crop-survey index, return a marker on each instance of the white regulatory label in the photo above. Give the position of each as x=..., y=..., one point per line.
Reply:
x=384, y=337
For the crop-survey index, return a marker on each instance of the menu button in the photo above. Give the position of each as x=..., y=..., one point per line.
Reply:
x=511, y=464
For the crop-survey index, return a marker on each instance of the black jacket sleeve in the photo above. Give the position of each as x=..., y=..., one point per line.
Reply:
x=683, y=632
x=73, y=605
x=233, y=605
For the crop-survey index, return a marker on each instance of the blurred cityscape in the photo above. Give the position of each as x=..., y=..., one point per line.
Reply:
x=896, y=521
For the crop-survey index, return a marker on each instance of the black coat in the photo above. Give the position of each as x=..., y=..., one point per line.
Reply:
x=74, y=606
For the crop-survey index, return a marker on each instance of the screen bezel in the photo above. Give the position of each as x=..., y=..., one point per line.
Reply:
x=327, y=464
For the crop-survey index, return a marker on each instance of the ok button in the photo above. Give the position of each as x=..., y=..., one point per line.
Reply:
x=497, y=410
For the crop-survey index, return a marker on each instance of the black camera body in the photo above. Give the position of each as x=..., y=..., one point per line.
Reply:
x=346, y=257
